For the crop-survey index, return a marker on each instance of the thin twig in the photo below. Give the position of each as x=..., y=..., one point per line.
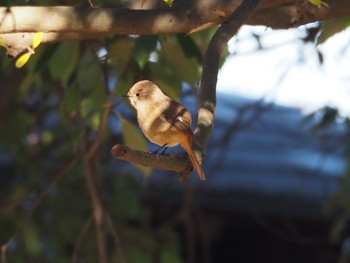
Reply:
x=98, y=210
x=80, y=239
x=118, y=246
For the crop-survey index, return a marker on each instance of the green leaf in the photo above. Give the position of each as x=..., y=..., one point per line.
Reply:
x=72, y=99
x=331, y=27
x=168, y=2
x=91, y=111
x=58, y=66
x=89, y=73
x=31, y=239
x=143, y=48
x=189, y=47
x=123, y=85
x=169, y=83
x=318, y=3
x=172, y=55
x=3, y=44
x=134, y=139
x=119, y=54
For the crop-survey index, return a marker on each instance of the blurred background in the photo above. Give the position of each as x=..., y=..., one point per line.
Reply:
x=276, y=163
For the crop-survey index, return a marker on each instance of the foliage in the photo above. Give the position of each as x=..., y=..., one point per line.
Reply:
x=331, y=27
x=51, y=111
x=318, y=3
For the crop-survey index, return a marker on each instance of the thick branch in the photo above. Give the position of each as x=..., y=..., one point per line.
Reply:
x=182, y=18
x=218, y=43
x=70, y=23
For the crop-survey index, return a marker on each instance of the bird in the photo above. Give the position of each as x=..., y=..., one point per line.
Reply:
x=163, y=120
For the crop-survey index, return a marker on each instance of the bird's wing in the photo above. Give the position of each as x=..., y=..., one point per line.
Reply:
x=178, y=116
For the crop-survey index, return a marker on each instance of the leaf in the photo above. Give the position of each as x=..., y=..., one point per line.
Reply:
x=90, y=111
x=22, y=60
x=143, y=48
x=201, y=27
x=89, y=73
x=123, y=85
x=58, y=66
x=120, y=53
x=318, y=3
x=3, y=44
x=31, y=239
x=331, y=27
x=134, y=139
x=37, y=39
x=189, y=47
x=169, y=2
x=181, y=67
x=169, y=83
x=71, y=101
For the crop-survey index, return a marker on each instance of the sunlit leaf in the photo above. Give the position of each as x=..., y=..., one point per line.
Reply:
x=37, y=39
x=3, y=44
x=169, y=2
x=134, y=139
x=318, y=3
x=22, y=60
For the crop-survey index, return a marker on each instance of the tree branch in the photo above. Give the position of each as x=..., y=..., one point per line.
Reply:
x=207, y=94
x=61, y=23
x=206, y=112
x=98, y=210
x=180, y=164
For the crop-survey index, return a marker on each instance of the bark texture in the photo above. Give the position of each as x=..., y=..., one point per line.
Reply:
x=60, y=23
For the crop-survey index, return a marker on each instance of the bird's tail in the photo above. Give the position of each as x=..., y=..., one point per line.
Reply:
x=188, y=148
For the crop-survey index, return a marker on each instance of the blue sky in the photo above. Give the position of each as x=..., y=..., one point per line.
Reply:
x=288, y=72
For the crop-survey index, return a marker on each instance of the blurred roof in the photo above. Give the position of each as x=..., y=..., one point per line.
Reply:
x=265, y=158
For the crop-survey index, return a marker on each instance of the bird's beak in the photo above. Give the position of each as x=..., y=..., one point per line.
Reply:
x=125, y=96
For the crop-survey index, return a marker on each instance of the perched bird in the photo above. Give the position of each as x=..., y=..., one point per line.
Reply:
x=163, y=120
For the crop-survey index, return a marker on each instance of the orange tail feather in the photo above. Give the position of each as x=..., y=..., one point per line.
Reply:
x=197, y=166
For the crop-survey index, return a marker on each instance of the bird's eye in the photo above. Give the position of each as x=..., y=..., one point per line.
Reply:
x=138, y=94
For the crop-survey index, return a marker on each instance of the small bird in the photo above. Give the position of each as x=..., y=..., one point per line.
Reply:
x=163, y=120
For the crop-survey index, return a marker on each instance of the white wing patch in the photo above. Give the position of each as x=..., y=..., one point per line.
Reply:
x=179, y=118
